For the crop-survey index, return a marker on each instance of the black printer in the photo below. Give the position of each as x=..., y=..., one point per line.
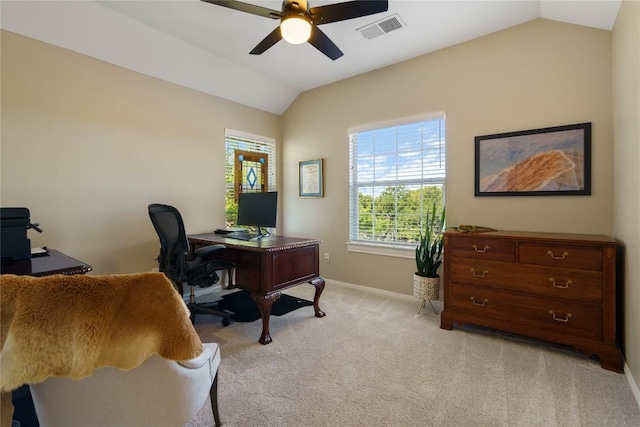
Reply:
x=13, y=234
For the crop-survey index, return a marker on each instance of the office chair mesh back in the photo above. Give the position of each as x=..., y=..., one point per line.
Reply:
x=175, y=260
x=173, y=240
x=180, y=265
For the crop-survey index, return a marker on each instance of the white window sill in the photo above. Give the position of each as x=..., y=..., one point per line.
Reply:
x=382, y=249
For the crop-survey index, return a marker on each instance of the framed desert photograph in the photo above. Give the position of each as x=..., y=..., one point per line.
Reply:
x=539, y=162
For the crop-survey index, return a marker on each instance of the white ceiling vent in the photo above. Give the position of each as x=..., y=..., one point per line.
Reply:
x=382, y=26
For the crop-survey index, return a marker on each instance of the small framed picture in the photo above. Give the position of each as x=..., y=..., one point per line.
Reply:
x=553, y=161
x=311, y=178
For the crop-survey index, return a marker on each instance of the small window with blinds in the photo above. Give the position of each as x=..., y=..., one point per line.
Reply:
x=397, y=173
x=250, y=166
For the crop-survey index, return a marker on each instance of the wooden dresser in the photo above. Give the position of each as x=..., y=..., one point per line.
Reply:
x=555, y=287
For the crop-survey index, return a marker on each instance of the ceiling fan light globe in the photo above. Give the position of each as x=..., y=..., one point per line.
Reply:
x=295, y=29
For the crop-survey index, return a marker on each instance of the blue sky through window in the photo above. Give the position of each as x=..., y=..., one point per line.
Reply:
x=400, y=154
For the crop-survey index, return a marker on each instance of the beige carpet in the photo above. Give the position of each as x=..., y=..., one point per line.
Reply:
x=372, y=361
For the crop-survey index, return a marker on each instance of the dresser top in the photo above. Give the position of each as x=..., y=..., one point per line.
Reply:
x=532, y=235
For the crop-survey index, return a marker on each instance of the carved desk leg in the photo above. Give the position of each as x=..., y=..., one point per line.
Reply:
x=319, y=284
x=265, y=303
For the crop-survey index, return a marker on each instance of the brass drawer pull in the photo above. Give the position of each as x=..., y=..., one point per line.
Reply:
x=479, y=304
x=483, y=274
x=564, y=255
x=555, y=285
x=475, y=248
x=559, y=319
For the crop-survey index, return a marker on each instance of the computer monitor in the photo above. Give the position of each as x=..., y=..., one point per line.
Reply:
x=258, y=209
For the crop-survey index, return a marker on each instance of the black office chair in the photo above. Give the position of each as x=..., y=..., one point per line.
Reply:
x=181, y=265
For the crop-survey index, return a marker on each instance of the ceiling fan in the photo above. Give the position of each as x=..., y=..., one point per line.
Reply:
x=299, y=23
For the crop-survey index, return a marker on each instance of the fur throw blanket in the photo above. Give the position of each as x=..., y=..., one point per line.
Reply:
x=72, y=325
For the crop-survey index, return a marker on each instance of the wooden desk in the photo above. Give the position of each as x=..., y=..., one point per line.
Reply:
x=267, y=266
x=48, y=265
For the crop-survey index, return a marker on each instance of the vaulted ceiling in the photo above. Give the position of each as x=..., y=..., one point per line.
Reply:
x=206, y=47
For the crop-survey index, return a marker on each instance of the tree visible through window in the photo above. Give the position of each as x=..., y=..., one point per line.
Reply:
x=258, y=152
x=397, y=174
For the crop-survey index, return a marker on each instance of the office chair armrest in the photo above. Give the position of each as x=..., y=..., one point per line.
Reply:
x=206, y=250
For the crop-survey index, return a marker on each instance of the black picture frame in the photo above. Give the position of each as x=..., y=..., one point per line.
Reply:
x=553, y=161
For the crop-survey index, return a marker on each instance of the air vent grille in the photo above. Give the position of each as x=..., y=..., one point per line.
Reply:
x=382, y=26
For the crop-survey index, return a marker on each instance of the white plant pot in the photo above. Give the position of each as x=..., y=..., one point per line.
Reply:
x=427, y=289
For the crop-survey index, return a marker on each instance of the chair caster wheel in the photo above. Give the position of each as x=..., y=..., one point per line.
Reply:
x=226, y=322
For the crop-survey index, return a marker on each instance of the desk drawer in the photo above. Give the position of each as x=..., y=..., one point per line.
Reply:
x=297, y=265
x=248, y=278
x=240, y=257
x=244, y=257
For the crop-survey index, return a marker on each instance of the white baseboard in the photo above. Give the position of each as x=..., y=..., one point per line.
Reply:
x=439, y=305
x=632, y=383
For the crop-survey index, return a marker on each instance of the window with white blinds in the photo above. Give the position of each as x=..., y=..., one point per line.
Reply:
x=397, y=174
x=237, y=140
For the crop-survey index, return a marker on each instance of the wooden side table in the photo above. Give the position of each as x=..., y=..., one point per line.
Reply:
x=54, y=263
x=48, y=265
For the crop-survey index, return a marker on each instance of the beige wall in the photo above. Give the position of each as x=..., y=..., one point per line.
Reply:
x=626, y=130
x=542, y=73
x=86, y=146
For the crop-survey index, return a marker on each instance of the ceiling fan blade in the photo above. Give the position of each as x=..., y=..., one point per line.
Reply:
x=324, y=44
x=347, y=10
x=274, y=37
x=248, y=8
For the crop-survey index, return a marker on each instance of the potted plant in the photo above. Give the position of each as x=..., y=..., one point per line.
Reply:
x=426, y=282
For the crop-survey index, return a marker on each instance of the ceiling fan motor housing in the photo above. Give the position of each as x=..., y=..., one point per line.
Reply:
x=300, y=5
x=295, y=9
x=295, y=23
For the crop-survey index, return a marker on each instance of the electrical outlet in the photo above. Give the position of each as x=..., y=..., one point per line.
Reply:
x=326, y=257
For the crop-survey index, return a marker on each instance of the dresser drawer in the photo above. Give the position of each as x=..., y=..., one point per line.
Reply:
x=566, y=317
x=494, y=274
x=559, y=255
x=482, y=247
x=579, y=285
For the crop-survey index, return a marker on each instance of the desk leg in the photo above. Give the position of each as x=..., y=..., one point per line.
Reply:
x=319, y=284
x=265, y=303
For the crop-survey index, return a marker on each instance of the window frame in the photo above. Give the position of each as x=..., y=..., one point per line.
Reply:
x=396, y=249
x=230, y=159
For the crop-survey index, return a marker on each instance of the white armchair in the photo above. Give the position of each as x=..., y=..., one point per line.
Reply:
x=159, y=392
